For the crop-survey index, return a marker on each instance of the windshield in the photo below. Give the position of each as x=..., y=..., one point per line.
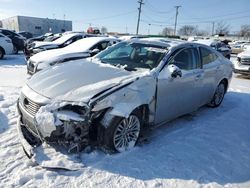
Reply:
x=133, y=56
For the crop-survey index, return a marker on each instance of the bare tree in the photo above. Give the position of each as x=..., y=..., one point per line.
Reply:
x=202, y=33
x=167, y=31
x=104, y=30
x=222, y=28
x=245, y=31
x=188, y=30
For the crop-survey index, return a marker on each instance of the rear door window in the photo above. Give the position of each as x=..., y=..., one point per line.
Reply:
x=207, y=56
x=186, y=59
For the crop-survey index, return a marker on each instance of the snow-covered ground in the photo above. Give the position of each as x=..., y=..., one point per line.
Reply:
x=210, y=148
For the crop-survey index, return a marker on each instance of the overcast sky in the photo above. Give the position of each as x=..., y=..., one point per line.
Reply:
x=121, y=15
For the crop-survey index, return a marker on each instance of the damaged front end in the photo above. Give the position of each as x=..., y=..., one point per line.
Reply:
x=64, y=124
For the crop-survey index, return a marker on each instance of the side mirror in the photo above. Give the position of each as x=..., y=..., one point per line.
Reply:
x=174, y=71
x=95, y=51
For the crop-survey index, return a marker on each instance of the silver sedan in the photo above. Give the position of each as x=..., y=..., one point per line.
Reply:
x=110, y=98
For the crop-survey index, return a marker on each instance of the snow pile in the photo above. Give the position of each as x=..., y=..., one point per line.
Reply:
x=210, y=148
x=1, y=97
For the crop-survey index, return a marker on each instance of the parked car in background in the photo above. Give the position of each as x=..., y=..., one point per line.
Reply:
x=17, y=40
x=221, y=47
x=53, y=37
x=25, y=34
x=38, y=38
x=110, y=98
x=242, y=64
x=93, y=30
x=64, y=40
x=6, y=46
x=238, y=46
x=80, y=49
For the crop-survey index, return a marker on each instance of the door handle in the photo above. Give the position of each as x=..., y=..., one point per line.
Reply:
x=198, y=77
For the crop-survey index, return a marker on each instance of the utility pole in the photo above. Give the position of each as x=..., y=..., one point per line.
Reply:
x=176, y=15
x=64, y=21
x=149, y=29
x=212, y=28
x=139, y=15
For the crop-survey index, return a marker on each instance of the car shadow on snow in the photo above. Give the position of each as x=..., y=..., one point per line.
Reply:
x=212, y=145
x=13, y=60
x=3, y=122
x=247, y=77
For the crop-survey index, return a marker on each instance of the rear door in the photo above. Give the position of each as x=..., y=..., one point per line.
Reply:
x=212, y=72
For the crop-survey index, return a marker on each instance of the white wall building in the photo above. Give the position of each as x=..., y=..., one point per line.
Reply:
x=36, y=26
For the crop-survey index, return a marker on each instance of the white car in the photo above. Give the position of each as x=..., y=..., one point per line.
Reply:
x=64, y=40
x=80, y=49
x=109, y=99
x=6, y=46
x=242, y=64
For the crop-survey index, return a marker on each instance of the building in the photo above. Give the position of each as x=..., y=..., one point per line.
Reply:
x=36, y=26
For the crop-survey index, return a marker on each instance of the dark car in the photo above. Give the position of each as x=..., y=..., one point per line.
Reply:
x=220, y=46
x=223, y=48
x=25, y=34
x=17, y=40
x=39, y=46
x=38, y=38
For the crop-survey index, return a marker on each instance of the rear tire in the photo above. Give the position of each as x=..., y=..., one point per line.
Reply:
x=218, y=95
x=15, y=50
x=1, y=53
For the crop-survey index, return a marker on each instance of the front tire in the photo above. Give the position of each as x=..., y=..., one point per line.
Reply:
x=218, y=95
x=122, y=133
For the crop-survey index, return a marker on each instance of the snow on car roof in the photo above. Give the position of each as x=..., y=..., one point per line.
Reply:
x=64, y=38
x=86, y=43
x=153, y=42
x=206, y=42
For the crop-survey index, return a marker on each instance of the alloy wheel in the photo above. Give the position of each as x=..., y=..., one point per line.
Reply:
x=126, y=133
x=219, y=94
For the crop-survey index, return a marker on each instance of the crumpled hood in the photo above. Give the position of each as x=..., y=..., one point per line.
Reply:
x=245, y=54
x=78, y=81
x=55, y=55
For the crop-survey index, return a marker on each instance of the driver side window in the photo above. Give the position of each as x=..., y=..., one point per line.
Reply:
x=186, y=59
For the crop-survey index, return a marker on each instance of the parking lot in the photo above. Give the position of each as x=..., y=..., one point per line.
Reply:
x=210, y=147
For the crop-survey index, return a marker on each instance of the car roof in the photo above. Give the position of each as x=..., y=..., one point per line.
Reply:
x=86, y=43
x=155, y=42
x=208, y=42
x=66, y=37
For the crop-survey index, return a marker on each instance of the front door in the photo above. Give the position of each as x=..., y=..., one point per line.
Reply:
x=180, y=95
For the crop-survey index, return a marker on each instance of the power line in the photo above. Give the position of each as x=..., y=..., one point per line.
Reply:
x=155, y=10
x=223, y=15
x=107, y=17
x=216, y=20
x=139, y=15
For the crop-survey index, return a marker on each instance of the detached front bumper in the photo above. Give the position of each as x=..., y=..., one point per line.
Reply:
x=28, y=149
x=46, y=156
